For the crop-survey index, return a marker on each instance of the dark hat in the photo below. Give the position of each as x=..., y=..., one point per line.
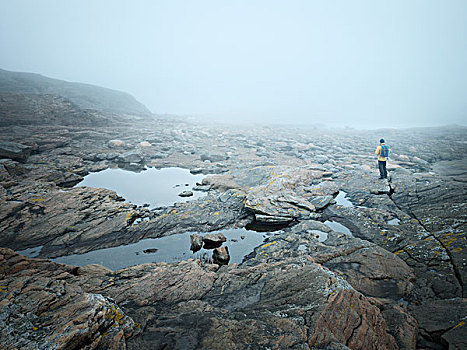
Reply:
x=381, y=141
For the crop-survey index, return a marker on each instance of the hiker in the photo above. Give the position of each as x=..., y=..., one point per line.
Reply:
x=382, y=151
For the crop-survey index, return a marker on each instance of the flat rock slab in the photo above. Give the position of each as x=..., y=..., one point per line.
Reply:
x=15, y=151
x=444, y=319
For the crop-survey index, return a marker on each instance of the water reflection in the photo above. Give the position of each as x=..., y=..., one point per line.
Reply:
x=337, y=227
x=322, y=236
x=240, y=243
x=342, y=200
x=394, y=221
x=30, y=252
x=156, y=187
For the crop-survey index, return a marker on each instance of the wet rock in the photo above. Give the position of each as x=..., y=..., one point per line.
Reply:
x=273, y=220
x=196, y=242
x=186, y=194
x=15, y=151
x=150, y=251
x=196, y=171
x=116, y=144
x=131, y=157
x=214, y=240
x=221, y=256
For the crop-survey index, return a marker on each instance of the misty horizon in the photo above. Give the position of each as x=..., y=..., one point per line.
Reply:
x=361, y=65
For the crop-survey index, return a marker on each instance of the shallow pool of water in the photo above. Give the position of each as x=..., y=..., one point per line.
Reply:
x=156, y=187
x=394, y=221
x=166, y=249
x=342, y=200
x=30, y=252
x=322, y=236
x=335, y=226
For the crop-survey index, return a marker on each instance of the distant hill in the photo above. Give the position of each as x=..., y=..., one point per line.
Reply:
x=41, y=109
x=85, y=96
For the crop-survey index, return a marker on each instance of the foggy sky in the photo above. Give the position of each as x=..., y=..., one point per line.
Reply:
x=358, y=63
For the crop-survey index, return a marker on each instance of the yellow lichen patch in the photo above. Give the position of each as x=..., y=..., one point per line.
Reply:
x=173, y=211
x=4, y=289
x=456, y=250
x=399, y=252
x=216, y=213
x=459, y=324
x=37, y=199
x=268, y=244
x=115, y=315
x=35, y=328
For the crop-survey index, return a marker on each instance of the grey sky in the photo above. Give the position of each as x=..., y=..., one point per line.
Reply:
x=364, y=63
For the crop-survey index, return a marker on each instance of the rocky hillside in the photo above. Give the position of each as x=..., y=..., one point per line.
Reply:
x=83, y=95
x=31, y=109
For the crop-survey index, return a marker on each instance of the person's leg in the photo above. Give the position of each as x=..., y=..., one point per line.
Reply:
x=385, y=171
x=381, y=169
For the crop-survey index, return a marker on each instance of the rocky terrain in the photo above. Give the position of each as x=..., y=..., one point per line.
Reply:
x=84, y=95
x=394, y=279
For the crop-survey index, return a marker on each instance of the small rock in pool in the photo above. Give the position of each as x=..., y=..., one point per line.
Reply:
x=196, y=242
x=150, y=250
x=221, y=256
x=186, y=194
x=214, y=240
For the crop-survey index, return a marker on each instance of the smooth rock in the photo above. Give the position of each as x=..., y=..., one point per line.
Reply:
x=221, y=256
x=196, y=242
x=186, y=194
x=214, y=240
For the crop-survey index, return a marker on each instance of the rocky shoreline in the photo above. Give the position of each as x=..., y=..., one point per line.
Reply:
x=397, y=282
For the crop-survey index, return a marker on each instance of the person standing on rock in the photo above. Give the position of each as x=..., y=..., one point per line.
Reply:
x=382, y=151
